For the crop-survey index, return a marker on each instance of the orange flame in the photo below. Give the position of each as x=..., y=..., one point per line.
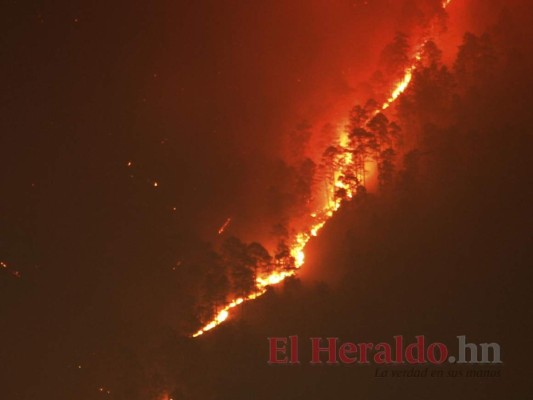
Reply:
x=297, y=247
x=401, y=86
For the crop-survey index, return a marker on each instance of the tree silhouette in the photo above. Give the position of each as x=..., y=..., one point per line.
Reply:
x=386, y=168
x=379, y=128
x=216, y=283
x=411, y=166
x=239, y=264
x=261, y=260
x=475, y=60
x=330, y=164
x=395, y=56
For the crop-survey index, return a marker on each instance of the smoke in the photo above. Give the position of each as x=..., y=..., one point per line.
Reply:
x=253, y=77
x=442, y=250
x=229, y=107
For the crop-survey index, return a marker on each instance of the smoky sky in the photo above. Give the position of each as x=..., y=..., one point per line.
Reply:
x=203, y=99
x=200, y=96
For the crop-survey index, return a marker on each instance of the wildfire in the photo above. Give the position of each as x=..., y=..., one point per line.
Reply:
x=344, y=164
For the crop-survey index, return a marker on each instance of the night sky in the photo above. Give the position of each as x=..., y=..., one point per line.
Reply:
x=130, y=132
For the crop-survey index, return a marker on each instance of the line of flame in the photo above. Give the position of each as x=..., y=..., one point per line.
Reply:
x=298, y=245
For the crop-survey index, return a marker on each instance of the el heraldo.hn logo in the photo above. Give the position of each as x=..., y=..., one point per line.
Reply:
x=333, y=351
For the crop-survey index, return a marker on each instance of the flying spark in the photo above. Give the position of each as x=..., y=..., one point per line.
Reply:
x=224, y=226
